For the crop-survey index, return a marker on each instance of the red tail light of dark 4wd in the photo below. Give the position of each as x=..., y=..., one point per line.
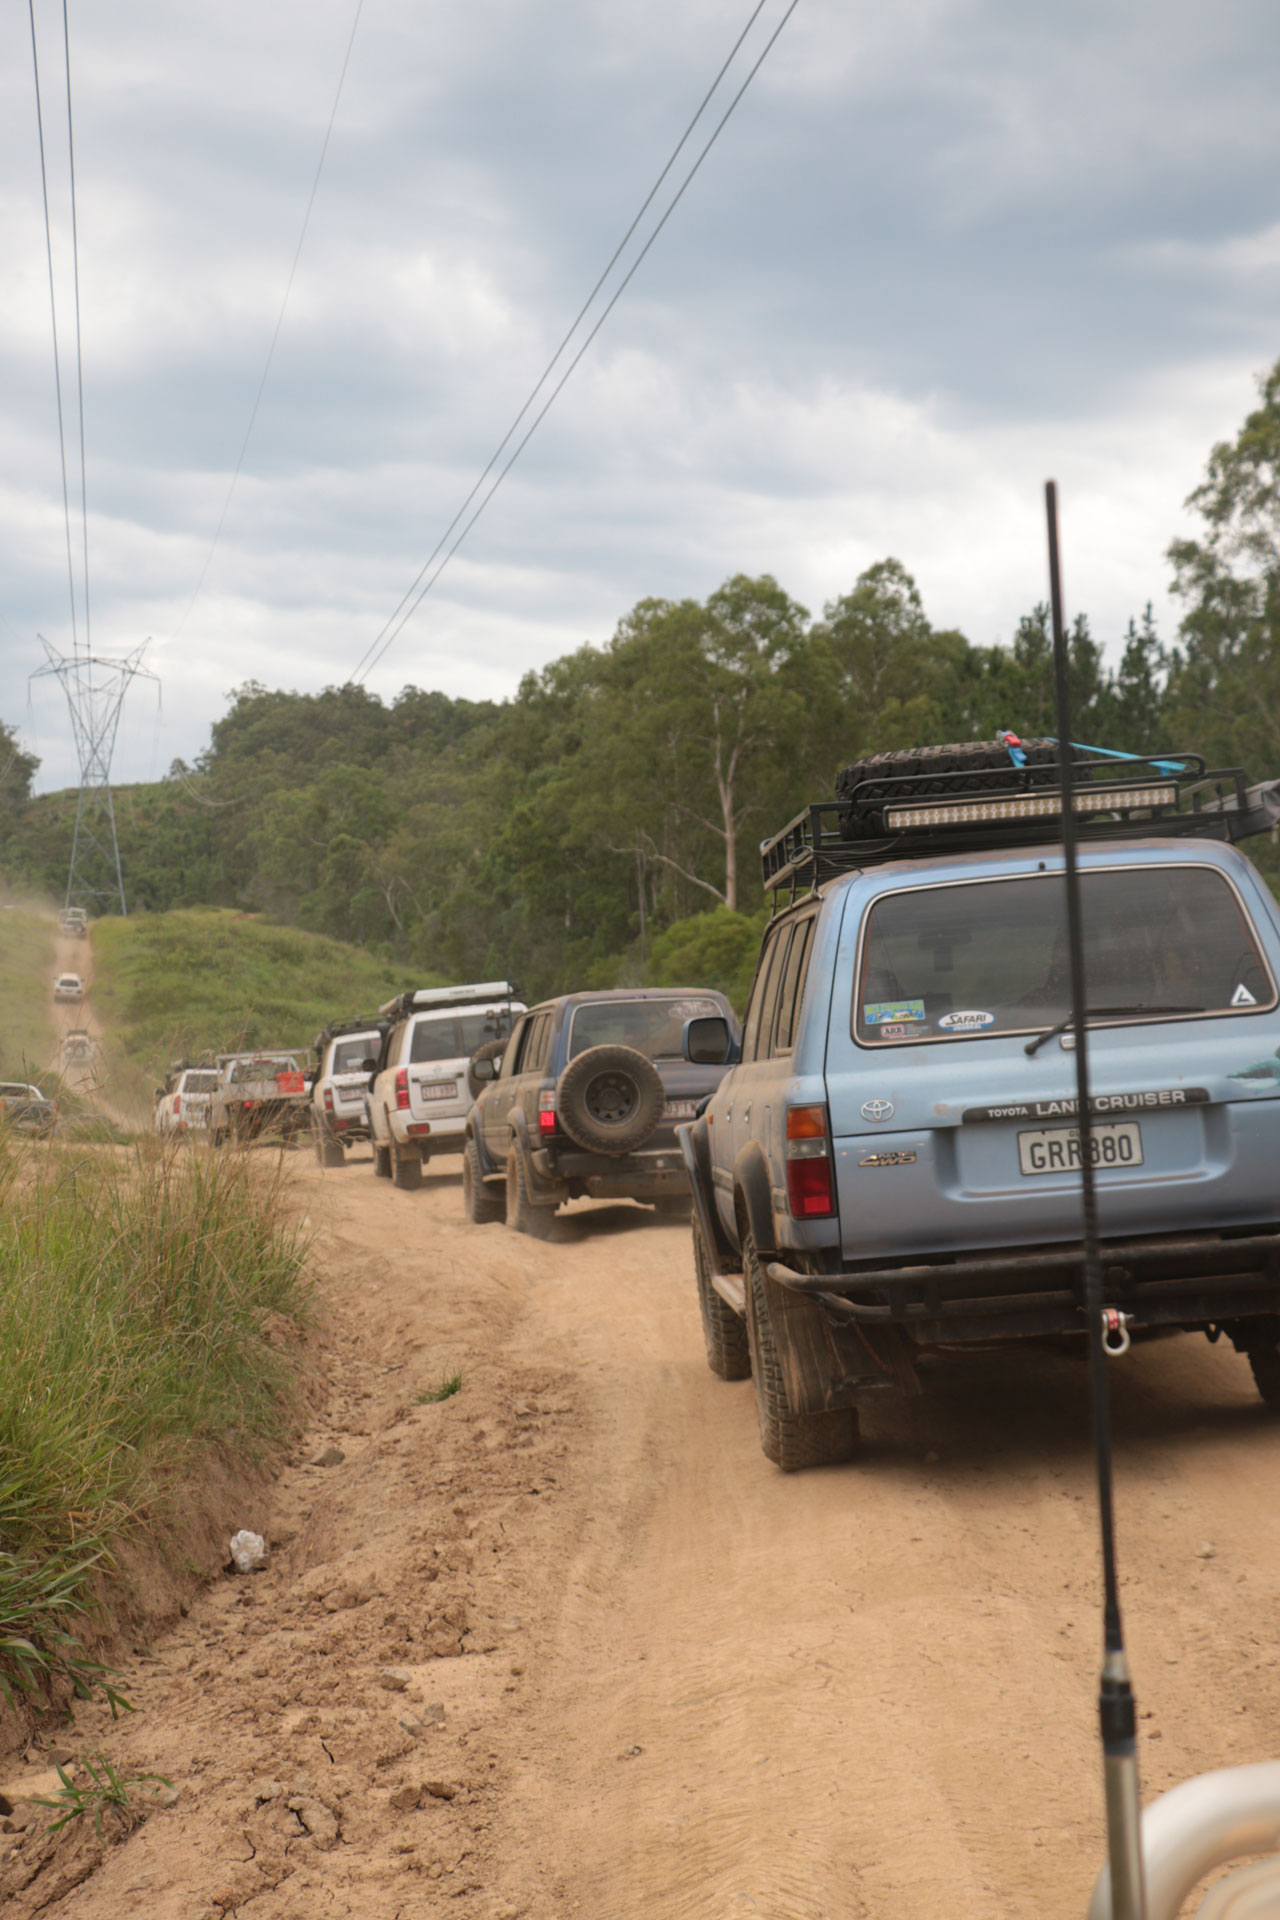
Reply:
x=810, y=1188
x=402, y=1089
x=547, y=1112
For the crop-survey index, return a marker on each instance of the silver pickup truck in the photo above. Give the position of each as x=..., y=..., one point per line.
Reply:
x=257, y=1094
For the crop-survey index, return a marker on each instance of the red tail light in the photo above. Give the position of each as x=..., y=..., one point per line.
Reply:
x=810, y=1193
x=177, y=1104
x=402, y=1089
x=328, y=1099
x=547, y=1112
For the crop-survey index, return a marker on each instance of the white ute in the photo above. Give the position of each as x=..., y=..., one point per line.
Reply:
x=419, y=1097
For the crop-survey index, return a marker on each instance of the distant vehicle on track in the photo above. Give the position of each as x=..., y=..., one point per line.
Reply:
x=77, y=1044
x=258, y=1093
x=75, y=921
x=27, y=1109
x=68, y=986
x=183, y=1103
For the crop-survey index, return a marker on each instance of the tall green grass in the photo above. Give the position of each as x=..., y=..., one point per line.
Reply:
x=142, y=1299
x=27, y=1040
x=173, y=984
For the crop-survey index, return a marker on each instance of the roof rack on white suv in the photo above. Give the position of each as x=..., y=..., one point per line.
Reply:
x=415, y=999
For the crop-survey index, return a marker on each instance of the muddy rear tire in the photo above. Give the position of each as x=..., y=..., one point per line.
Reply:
x=328, y=1152
x=521, y=1214
x=381, y=1161
x=724, y=1332
x=791, y=1440
x=406, y=1169
x=480, y=1203
x=1264, y=1364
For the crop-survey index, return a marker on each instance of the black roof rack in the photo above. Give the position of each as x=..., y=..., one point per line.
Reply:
x=925, y=815
x=336, y=1028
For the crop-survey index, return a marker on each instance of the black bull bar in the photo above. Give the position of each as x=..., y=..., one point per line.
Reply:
x=1188, y=1280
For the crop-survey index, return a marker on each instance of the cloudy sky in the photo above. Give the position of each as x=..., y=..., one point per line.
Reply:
x=943, y=249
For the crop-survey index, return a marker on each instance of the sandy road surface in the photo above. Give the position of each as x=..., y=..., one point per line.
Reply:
x=75, y=956
x=636, y=1673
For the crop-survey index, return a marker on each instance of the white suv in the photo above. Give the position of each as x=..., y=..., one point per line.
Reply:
x=420, y=1096
x=339, y=1095
x=183, y=1106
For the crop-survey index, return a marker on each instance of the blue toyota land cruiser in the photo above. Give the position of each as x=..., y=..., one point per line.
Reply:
x=889, y=1168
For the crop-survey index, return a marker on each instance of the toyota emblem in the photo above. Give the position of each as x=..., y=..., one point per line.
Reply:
x=877, y=1109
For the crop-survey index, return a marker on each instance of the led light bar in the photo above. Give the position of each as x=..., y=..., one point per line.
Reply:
x=1030, y=806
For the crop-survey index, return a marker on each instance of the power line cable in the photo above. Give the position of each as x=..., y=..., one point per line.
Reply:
x=75, y=264
x=297, y=254
x=53, y=308
x=496, y=455
x=560, y=384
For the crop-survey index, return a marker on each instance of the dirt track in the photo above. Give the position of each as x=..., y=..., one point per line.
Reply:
x=647, y=1676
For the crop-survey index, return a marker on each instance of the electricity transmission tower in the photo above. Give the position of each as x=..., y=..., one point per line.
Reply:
x=95, y=687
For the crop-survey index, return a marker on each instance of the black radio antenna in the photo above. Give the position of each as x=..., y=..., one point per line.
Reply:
x=1116, y=1708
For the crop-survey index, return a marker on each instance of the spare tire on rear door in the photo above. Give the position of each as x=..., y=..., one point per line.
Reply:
x=609, y=1099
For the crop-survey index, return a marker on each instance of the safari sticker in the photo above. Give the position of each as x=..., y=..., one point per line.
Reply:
x=876, y=1012
x=972, y=1022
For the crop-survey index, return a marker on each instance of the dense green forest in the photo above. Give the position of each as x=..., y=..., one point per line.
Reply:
x=572, y=833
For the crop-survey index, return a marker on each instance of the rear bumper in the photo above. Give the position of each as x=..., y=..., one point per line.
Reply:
x=647, y=1175
x=1183, y=1280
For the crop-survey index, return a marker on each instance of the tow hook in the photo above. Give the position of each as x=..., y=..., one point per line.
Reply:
x=1115, y=1332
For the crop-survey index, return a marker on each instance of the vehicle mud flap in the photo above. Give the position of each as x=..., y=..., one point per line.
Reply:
x=692, y=1141
x=825, y=1366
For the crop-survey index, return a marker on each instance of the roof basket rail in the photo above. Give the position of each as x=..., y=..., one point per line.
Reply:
x=886, y=811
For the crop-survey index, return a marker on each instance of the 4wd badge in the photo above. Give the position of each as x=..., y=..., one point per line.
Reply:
x=877, y=1109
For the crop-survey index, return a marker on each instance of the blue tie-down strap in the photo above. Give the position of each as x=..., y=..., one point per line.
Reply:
x=1112, y=753
x=1012, y=745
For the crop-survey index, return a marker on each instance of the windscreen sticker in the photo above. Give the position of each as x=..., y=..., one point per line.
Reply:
x=1242, y=997
x=968, y=1022
x=876, y=1012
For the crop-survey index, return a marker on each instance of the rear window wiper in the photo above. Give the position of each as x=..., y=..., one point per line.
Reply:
x=1102, y=1013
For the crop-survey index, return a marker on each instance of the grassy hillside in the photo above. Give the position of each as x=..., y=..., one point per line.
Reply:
x=173, y=984
x=27, y=1039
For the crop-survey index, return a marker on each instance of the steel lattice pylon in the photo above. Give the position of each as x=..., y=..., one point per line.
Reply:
x=95, y=688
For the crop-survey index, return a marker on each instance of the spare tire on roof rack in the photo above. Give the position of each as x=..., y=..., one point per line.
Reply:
x=970, y=767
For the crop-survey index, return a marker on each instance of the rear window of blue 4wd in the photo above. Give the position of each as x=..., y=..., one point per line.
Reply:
x=652, y=1027
x=990, y=956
